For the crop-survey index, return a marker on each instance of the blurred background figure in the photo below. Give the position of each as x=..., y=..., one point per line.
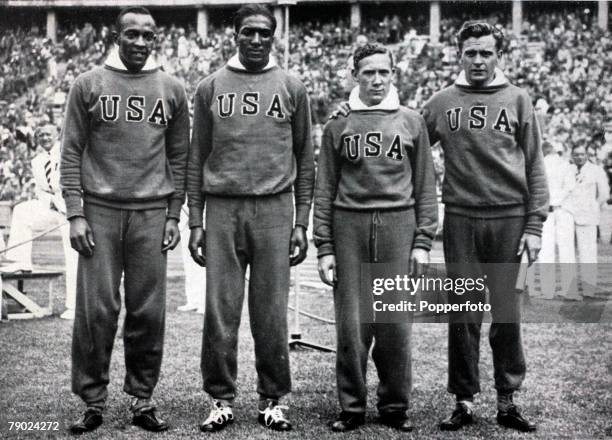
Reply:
x=557, y=229
x=45, y=211
x=195, y=276
x=584, y=202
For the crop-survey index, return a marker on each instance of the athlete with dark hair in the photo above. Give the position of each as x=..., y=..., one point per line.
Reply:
x=250, y=164
x=496, y=198
x=375, y=202
x=123, y=162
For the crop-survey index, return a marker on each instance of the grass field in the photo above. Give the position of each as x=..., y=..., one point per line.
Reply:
x=568, y=390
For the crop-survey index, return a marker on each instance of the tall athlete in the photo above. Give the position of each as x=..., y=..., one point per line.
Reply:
x=123, y=164
x=496, y=198
x=250, y=162
x=375, y=202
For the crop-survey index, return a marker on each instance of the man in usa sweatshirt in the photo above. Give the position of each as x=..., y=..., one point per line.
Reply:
x=375, y=202
x=123, y=162
x=250, y=164
x=496, y=199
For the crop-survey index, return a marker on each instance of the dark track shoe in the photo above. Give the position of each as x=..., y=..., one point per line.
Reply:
x=147, y=420
x=348, y=422
x=396, y=420
x=90, y=420
x=513, y=419
x=460, y=417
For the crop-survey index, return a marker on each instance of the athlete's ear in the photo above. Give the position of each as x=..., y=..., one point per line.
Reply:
x=115, y=36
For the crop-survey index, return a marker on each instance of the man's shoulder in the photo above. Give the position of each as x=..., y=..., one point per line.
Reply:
x=88, y=75
x=519, y=92
x=209, y=80
x=336, y=124
x=172, y=80
x=441, y=95
x=293, y=81
x=410, y=114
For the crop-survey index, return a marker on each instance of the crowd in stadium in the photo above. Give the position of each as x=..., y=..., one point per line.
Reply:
x=569, y=73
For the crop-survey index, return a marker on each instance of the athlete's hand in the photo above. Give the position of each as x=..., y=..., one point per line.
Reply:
x=172, y=234
x=343, y=109
x=197, y=245
x=81, y=236
x=327, y=269
x=419, y=259
x=299, y=240
x=532, y=245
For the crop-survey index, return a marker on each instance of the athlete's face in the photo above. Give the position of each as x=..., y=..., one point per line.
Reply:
x=254, y=40
x=135, y=39
x=374, y=78
x=46, y=136
x=579, y=156
x=478, y=59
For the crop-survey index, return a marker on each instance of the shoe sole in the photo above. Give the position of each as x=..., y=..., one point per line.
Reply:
x=165, y=428
x=516, y=428
x=455, y=427
x=217, y=428
x=273, y=428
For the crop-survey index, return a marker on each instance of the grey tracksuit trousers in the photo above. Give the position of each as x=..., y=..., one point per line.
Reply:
x=126, y=242
x=477, y=247
x=247, y=231
x=369, y=237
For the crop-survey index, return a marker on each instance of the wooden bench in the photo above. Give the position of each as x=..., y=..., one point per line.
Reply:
x=33, y=310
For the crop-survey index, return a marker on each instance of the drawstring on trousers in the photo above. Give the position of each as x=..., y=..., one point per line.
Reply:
x=376, y=220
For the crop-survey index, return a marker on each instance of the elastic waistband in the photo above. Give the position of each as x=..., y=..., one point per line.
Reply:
x=400, y=209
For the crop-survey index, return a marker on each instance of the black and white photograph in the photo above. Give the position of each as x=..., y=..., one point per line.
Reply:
x=305, y=219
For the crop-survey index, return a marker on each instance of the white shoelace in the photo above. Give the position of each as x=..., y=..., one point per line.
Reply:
x=274, y=414
x=219, y=414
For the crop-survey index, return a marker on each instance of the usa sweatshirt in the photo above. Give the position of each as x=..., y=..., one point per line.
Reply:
x=251, y=137
x=492, y=154
x=125, y=139
x=377, y=158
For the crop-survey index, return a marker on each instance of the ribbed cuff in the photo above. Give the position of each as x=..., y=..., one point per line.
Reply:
x=174, y=209
x=325, y=249
x=534, y=225
x=74, y=206
x=422, y=242
x=196, y=215
x=301, y=214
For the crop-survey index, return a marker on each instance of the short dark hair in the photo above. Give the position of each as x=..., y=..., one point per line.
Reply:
x=577, y=145
x=368, y=50
x=251, y=9
x=479, y=29
x=131, y=10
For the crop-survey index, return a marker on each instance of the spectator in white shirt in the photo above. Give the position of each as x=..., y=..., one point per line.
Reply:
x=558, y=228
x=585, y=202
x=43, y=212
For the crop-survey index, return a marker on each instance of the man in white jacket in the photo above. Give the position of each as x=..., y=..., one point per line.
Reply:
x=557, y=231
x=45, y=211
x=584, y=202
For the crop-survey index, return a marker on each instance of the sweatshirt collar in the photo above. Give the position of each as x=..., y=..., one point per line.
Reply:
x=498, y=80
x=114, y=61
x=391, y=101
x=234, y=63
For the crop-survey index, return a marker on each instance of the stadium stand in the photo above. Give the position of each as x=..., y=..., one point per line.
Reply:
x=561, y=56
